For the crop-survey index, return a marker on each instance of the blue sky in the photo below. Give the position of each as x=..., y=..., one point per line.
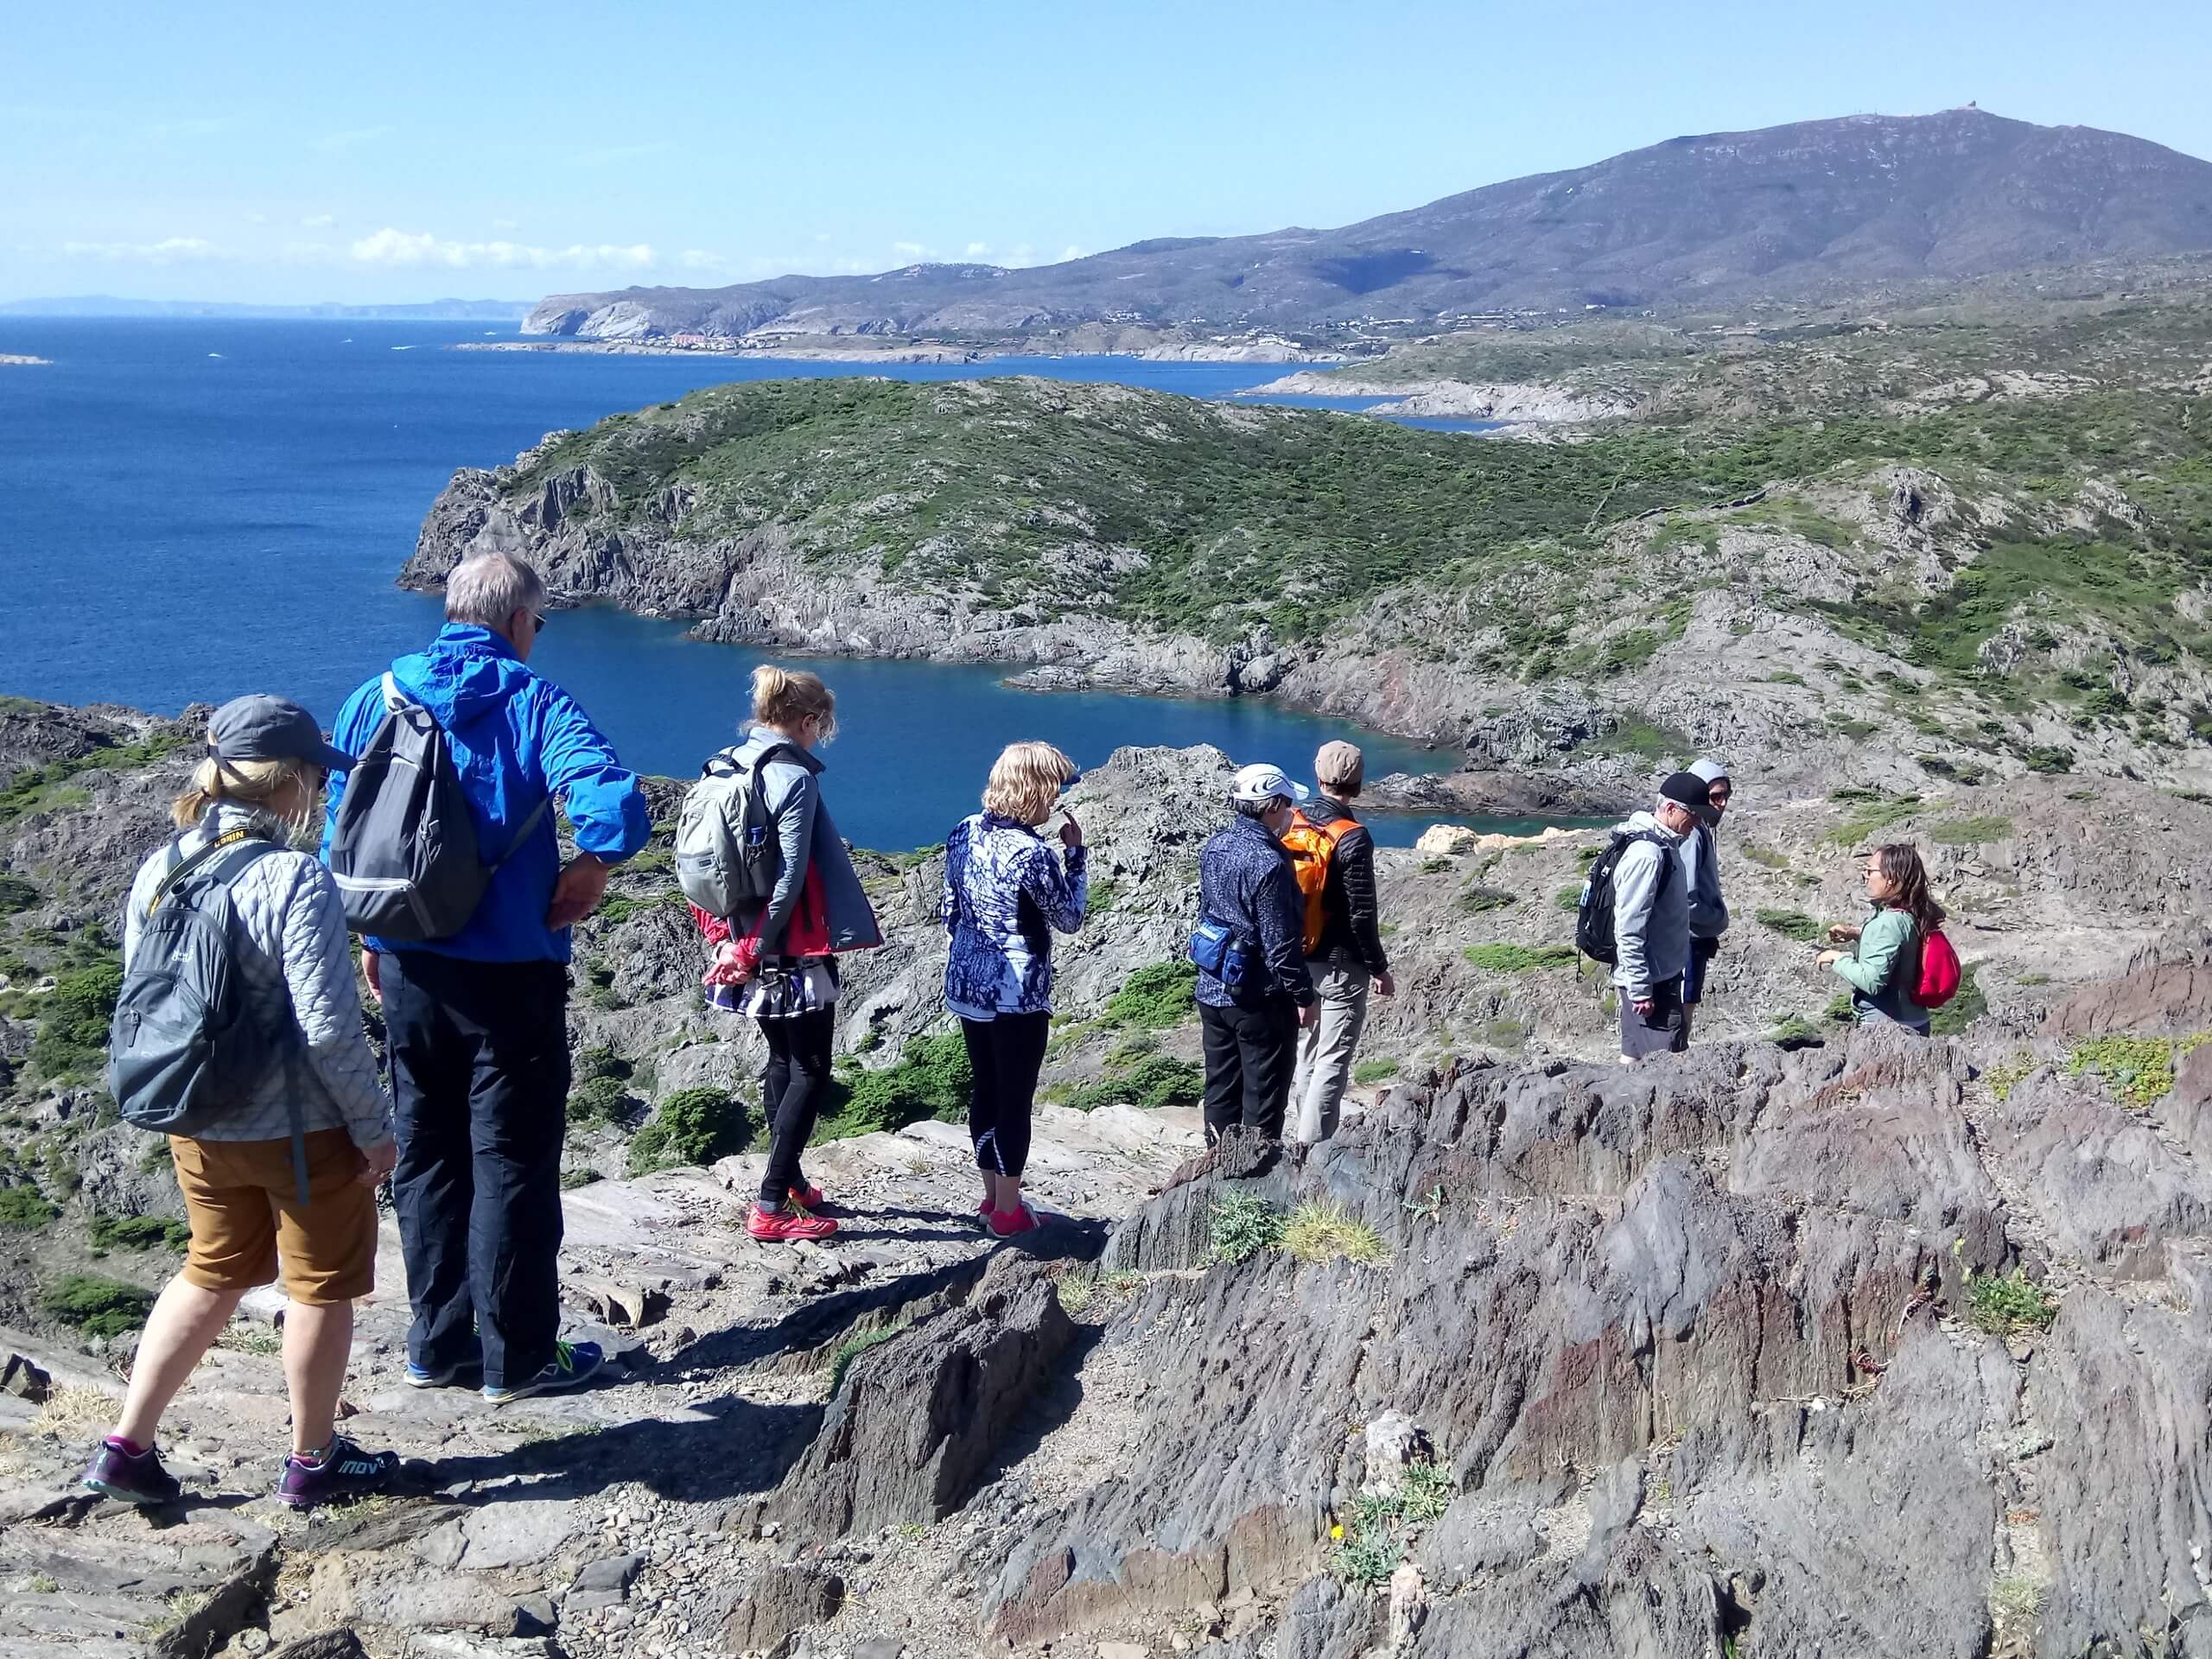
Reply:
x=407, y=152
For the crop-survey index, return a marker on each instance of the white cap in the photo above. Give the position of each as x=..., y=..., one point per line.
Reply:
x=1261, y=782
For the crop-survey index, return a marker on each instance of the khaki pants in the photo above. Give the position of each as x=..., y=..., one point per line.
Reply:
x=1325, y=1048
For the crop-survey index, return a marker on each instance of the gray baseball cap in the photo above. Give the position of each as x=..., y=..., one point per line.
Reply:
x=261, y=728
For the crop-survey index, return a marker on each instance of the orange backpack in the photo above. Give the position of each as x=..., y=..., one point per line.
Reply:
x=1312, y=848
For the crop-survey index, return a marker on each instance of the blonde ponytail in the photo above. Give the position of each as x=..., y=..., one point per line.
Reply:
x=250, y=783
x=782, y=698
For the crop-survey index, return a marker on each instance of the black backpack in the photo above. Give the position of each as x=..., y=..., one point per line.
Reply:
x=1593, y=918
x=404, y=850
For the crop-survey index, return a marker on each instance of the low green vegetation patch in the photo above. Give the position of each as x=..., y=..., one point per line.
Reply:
x=1156, y=1080
x=1791, y=924
x=38, y=789
x=1569, y=898
x=2139, y=1070
x=1371, y=1071
x=97, y=1307
x=137, y=1233
x=930, y=1079
x=692, y=1126
x=1765, y=857
x=23, y=1209
x=1157, y=995
x=1329, y=1232
x=603, y=1099
x=1499, y=958
x=71, y=1040
x=1375, y=1532
x=2004, y=1303
x=1239, y=1225
x=2008, y=1074
x=16, y=894
x=841, y=1359
x=1474, y=901
x=1872, y=813
x=1971, y=832
x=1963, y=1009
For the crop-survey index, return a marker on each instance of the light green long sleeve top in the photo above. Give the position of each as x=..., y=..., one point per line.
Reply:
x=1881, y=969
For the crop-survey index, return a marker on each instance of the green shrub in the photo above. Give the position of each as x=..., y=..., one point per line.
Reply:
x=601, y=1061
x=1477, y=899
x=71, y=1040
x=1158, y=995
x=97, y=1307
x=602, y=1099
x=1791, y=924
x=16, y=894
x=1519, y=958
x=137, y=1233
x=1874, y=816
x=692, y=1126
x=24, y=1210
x=573, y=1179
x=1971, y=832
x=1369, y=1071
x=1762, y=856
x=2001, y=1303
x=1155, y=1081
x=1242, y=1224
x=1102, y=897
x=930, y=1079
x=1569, y=898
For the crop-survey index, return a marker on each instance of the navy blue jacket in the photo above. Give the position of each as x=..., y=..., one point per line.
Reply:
x=1245, y=882
x=516, y=739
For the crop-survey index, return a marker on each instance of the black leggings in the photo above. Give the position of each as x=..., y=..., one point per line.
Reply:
x=791, y=1093
x=1005, y=1054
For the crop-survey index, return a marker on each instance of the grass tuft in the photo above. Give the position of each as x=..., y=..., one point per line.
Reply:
x=2004, y=1303
x=1519, y=958
x=841, y=1360
x=1326, y=1232
x=1239, y=1225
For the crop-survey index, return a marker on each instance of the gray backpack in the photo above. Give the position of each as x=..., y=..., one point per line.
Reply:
x=184, y=1045
x=404, y=851
x=728, y=857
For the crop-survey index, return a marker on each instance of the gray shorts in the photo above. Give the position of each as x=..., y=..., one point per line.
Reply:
x=1663, y=1030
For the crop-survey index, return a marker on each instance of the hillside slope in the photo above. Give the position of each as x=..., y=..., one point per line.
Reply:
x=1793, y=211
x=1934, y=574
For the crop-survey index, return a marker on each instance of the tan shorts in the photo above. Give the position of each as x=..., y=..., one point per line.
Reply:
x=246, y=1217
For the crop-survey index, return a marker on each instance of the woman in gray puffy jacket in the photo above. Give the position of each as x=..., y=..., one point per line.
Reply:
x=286, y=1181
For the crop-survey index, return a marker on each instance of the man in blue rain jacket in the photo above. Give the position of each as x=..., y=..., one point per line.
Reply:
x=478, y=1021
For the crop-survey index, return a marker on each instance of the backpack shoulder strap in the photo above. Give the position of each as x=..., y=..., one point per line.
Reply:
x=253, y=848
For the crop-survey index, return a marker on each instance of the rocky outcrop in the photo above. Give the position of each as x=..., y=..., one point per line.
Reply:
x=917, y=1421
x=1505, y=401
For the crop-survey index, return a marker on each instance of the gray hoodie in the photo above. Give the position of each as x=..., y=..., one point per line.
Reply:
x=1651, y=916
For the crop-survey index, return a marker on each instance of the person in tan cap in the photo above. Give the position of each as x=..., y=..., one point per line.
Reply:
x=1333, y=857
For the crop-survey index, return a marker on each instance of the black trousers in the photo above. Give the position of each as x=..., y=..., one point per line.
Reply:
x=791, y=1094
x=1005, y=1055
x=480, y=1073
x=1250, y=1055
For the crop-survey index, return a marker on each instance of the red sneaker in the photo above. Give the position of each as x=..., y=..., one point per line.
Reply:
x=780, y=1225
x=1008, y=1223
x=808, y=1198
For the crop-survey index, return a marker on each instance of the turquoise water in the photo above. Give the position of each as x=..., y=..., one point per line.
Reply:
x=196, y=509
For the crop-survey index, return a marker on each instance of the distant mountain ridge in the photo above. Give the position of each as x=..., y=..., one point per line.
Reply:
x=1791, y=211
x=108, y=305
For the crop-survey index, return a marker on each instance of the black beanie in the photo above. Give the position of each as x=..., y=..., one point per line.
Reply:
x=1686, y=789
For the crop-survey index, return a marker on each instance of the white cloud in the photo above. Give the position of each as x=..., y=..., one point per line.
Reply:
x=168, y=252
x=318, y=221
x=978, y=250
x=349, y=139
x=909, y=251
x=1070, y=252
x=395, y=247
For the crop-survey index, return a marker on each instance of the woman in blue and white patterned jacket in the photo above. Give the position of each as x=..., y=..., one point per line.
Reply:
x=1005, y=892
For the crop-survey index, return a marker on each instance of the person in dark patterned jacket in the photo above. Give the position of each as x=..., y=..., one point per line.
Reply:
x=1005, y=892
x=1250, y=1028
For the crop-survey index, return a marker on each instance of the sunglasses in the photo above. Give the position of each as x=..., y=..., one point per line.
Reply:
x=538, y=618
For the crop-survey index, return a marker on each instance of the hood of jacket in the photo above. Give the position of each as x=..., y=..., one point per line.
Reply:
x=467, y=671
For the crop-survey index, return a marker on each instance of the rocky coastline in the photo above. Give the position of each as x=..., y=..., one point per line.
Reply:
x=23, y=360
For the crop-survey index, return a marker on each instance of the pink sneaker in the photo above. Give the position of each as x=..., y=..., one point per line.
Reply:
x=1008, y=1223
x=782, y=1224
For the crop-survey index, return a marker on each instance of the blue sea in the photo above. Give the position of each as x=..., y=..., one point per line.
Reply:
x=190, y=510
